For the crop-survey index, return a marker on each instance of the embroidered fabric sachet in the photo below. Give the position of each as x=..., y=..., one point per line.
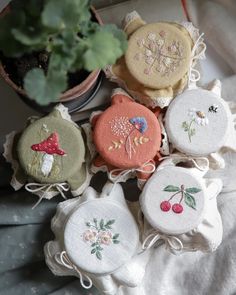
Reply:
x=127, y=137
x=160, y=60
x=180, y=206
x=97, y=240
x=48, y=156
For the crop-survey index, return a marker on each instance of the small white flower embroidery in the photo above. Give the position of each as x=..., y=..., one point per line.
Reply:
x=198, y=117
x=151, y=36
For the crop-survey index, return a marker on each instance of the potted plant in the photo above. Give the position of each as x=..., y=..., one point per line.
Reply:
x=54, y=49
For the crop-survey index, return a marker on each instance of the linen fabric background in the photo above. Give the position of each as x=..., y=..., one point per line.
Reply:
x=23, y=232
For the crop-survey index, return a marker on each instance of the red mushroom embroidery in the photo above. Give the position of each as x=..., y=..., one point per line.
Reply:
x=49, y=147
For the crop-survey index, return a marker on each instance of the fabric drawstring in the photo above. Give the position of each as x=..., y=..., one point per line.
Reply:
x=193, y=74
x=45, y=188
x=115, y=178
x=172, y=243
x=62, y=259
x=189, y=158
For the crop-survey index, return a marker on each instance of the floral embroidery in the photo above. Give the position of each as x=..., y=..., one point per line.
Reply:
x=158, y=55
x=197, y=117
x=186, y=195
x=124, y=127
x=213, y=109
x=49, y=147
x=100, y=234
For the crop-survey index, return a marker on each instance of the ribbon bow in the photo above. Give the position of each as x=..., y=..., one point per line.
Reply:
x=172, y=243
x=44, y=188
x=194, y=75
x=63, y=259
x=114, y=177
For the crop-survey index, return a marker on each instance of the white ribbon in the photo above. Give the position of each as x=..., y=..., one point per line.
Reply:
x=172, y=243
x=63, y=259
x=189, y=158
x=44, y=188
x=114, y=177
x=193, y=74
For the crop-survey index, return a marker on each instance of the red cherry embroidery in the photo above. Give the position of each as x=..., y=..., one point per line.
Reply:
x=177, y=208
x=165, y=206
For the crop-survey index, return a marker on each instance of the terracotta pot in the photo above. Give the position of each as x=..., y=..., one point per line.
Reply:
x=76, y=92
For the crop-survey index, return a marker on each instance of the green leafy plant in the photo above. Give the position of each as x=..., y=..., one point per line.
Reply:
x=65, y=30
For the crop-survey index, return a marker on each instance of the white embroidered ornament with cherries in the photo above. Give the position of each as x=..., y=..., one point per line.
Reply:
x=180, y=206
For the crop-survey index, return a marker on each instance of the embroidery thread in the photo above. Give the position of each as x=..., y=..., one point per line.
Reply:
x=186, y=195
x=123, y=126
x=100, y=234
x=158, y=55
x=197, y=117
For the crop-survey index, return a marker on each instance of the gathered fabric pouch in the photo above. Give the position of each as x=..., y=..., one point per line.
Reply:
x=180, y=208
x=200, y=123
x=127, y=139
x=48, y=156
x=160, y=60
x=97, y=240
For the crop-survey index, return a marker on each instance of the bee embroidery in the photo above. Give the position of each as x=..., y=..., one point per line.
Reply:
x=213, y=108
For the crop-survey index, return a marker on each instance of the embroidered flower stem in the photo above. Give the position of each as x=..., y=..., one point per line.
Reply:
x=128, y=145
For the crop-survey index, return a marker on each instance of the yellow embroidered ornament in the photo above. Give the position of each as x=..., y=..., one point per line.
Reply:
x=158, y=62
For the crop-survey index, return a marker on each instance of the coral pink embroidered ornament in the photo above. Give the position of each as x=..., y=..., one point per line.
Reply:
x=127, y=134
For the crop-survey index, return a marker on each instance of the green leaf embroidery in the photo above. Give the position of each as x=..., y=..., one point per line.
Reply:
x=193, y=190
x=190, y=200
x=110, y=222
x=101, y=223
x=93, y=251
x=99, y=255
x=171, y=188
x=116, y=241
x=116, y=236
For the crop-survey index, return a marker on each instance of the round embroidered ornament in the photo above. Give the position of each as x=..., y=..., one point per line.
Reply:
x=158, y=55
x=174, y=200
x=100, y=237
x=51, y=150
x=198, y=122
x=127, y=134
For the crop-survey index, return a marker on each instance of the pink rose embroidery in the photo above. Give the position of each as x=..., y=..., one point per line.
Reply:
x=89, y=235
x=100, y=234
x=105, y=237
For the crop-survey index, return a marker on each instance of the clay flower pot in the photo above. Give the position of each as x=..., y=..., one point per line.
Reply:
x=73, y=98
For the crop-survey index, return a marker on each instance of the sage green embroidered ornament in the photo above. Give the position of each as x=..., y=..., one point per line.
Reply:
x=49, y=156
x=97, y=239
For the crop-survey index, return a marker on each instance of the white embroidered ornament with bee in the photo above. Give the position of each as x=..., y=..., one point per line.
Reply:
x=200, y=123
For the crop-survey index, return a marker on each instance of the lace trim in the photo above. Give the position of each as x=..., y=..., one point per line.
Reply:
x=8, y=146
x=130, y=17
x=64, y=112
x=161, y=102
